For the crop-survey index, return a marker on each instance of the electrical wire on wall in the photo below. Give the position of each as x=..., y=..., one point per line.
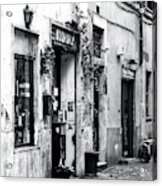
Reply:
x=151, y=20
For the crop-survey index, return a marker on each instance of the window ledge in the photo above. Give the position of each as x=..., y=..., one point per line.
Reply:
x=25, y=149
x=148, y=118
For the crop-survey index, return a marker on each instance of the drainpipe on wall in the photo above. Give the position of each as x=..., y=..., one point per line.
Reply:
x=141, y=34
x=75, y=100
x=141, y=11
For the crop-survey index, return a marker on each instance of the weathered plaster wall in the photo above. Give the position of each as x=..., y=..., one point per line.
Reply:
x=110, y=11
x=120, y=32
x=148, y=62
x=28, y=161
x=43, y=15
x=103, y=101
x=84, y=95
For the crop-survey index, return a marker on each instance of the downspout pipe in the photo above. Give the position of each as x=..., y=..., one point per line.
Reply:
x=140, y=37
x=141, y=58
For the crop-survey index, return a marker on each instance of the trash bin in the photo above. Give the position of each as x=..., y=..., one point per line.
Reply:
x=91, y=159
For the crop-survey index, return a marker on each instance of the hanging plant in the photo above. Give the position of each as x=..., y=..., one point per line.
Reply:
x=47, y=60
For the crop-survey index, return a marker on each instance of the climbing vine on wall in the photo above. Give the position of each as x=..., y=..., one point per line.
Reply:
x=84, y=26
x=47, y=61
x=90, y=72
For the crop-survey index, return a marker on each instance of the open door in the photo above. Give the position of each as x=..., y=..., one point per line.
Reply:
x=96, y=115
x=63, y=122
x=127, y=117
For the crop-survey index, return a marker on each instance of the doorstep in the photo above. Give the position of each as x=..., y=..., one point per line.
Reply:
x=125, y=160
x=101, y=165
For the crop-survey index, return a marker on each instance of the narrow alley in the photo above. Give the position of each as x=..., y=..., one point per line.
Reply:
x=129, y=170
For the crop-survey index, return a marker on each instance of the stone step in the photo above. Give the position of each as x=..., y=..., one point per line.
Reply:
x=125, y=160
x=102, y=165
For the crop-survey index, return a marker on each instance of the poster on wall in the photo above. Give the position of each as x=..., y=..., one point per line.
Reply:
x=106, y=55
x=70, y=112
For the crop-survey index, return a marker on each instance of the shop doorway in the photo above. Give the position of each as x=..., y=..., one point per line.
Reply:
x=127, y=117
x=65, y=42
x=63, y=120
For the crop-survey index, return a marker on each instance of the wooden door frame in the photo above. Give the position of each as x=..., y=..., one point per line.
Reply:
x=59, y=52
x=130, y=83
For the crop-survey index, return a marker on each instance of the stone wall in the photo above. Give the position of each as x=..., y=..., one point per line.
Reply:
x=32, y=161
x=120, y=32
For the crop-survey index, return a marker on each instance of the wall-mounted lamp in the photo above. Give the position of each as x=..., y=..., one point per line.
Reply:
x=133, y=65
x=28, y=16
x=120, y=51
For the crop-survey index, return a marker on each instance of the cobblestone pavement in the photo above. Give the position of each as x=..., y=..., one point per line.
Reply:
x=131, y=171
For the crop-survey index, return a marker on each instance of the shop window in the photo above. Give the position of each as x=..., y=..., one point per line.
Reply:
x=24, y=101
x=97, y=40
x=148, y=94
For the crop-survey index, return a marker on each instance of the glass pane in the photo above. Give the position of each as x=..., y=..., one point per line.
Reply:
x=23, y=101
x=97, y=41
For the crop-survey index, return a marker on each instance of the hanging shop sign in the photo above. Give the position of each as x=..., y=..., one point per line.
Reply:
x=64, y=37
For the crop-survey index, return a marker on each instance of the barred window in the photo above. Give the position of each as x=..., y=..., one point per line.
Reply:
x=97, y=40
x=23, y=101
x=151, y=5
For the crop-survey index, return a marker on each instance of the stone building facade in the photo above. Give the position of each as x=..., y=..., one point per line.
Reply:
x=80, y=78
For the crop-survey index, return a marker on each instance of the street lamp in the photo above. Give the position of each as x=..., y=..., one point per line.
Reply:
x=28, y=16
